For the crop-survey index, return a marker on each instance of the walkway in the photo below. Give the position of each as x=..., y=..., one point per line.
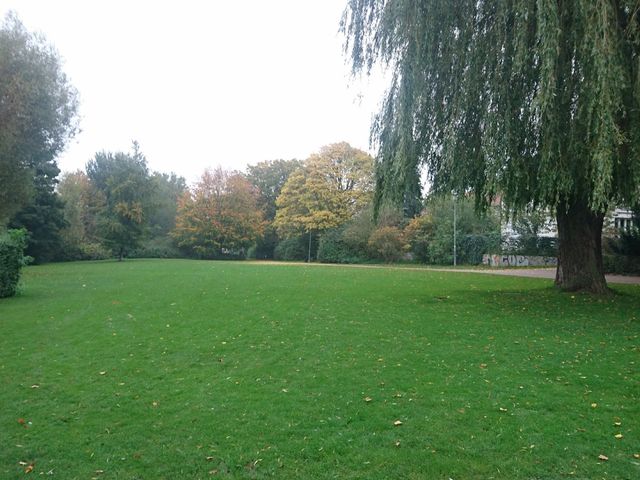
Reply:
x=549, y=273
x=538, y=273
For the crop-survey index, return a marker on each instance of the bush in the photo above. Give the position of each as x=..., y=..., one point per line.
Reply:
x=621, y=264
x=12, y=259
x=84, y=251
x=532, y=245
x=627, y=242
x=471, y=248
x=159, y=247
x=387, y=244
x=334, y=248
x=292, y=249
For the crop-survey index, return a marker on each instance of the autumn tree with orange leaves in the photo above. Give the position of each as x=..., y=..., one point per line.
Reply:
x=220, y=217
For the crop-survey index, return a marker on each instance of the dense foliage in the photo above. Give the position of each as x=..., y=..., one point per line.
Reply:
x=269, y=177
x=538, y=102
x=12, y=245
x=220, y=217
x=38, y=115
x=123, y=183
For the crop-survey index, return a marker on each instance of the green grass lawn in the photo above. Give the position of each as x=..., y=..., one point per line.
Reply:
x=185, y=369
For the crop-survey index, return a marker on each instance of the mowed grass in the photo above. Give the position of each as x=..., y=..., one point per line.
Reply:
x=193, y=370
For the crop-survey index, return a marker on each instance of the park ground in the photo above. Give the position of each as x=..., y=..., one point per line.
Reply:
x=193, y=369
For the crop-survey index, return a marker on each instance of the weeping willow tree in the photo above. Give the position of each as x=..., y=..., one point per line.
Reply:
x=535, y=101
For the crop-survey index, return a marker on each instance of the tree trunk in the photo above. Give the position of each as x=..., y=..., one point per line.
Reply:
x=580, y=249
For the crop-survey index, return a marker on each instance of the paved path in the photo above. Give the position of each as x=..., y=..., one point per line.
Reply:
x=513, y=272
x=538, y=273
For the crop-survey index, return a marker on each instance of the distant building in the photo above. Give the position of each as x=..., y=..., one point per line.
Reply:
x=622, y=219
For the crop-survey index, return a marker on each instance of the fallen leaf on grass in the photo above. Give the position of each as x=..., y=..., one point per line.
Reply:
x=397, y=423
x=29, y=469
x=594, y=405
x=618, y=436
x=604, y=458
x=209, y=459
x=21, y=421
x=368, y=399
x=617, y=424
x=397, y=443
x=502, y=409
x=103, y=373
x=483, y=365
x=35, y=385
x=636, y=455
x=23, y=464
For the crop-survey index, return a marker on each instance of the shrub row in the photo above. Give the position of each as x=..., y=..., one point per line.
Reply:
x=621, y=264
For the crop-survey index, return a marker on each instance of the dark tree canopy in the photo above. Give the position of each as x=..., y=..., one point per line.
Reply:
x=43, y=217
x=38, y=112
x=535, y=101
x=123, y=181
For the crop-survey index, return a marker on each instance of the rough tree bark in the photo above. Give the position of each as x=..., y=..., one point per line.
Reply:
x=580, y=265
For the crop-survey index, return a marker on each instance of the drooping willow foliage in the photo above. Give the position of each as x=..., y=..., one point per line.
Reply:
x=537, y=101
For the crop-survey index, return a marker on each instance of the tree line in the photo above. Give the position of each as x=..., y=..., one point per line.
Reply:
x=533, y=102
x=320, y=208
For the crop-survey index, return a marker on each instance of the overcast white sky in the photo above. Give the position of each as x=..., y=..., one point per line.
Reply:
x=205, y=83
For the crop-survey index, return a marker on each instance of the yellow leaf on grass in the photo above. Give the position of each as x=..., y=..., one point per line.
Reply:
x=397, y=423
x=604, y=458
x=618, y=435
x=368, y=399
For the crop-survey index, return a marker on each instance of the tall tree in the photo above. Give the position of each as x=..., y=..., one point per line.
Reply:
x=124, y=182
x=43, y=217
x=269, y=177
x=535, y=101
x=333, y=186
x=221, y=217
x=82, y=206
x=38, y=113
x=166, y=191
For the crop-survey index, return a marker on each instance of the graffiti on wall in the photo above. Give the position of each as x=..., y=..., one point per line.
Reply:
x=518, y=261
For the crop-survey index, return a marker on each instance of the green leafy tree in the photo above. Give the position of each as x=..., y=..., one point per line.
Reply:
x=331, y=188
x=38, y=115
x=430, y=235
x=166, y=191
x=43, y=217
x=269, y=177
x=220, y=218
x=83, y=205
x=123, y=181
x=538, y=102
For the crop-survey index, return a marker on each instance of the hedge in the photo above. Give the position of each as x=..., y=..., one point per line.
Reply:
x=12, y=259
